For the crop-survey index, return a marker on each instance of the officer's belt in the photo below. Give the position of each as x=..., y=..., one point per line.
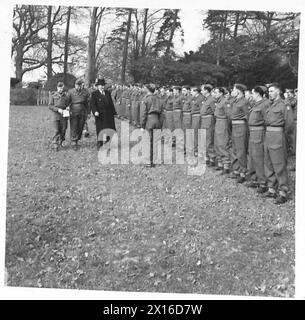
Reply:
x=168, y=110
x=196, y=114
x=78, y=104
x=256, y=128
x=206, y=116
x=238, y=121
x=278, y=129
x=186, y=112
x=177, y=110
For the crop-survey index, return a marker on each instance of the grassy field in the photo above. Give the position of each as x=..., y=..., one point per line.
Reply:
x=75, y=223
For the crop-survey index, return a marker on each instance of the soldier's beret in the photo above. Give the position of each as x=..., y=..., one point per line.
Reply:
x=240, y=87
x=60, y=84
x=263, y=88
x=186, y=87
x=208, y=86
x=177, y=88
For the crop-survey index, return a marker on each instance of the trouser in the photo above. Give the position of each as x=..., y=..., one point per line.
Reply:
x=177, y=123
x=276, y=161
x=169, y=120
x=222, y=142
x=239, y=147
x=77, y=122
x=136, y=115
x=195, y=127
x=186, y=120
x=153, y=122
x=128, y=109
x=256, y=155
x=60, y=126
x=177, y=119
x=141, y=112
x=117, y=106
x=123, y=107
x=207, y=123
x=186, y=124
x=294, y=140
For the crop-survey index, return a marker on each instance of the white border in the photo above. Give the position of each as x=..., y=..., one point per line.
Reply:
x=5, y=40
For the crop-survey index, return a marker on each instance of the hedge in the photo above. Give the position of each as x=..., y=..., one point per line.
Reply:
x=23, y=96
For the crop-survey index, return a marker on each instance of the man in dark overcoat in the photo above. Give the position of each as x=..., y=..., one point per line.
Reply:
x=102, y=108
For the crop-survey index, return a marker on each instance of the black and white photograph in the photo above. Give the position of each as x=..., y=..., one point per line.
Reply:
x=153, y=148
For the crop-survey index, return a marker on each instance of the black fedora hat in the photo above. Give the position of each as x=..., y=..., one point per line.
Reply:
x=100, y=82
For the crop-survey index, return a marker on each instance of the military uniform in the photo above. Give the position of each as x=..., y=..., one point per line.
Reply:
x=278, y=121
x=163, y=99
x=177, y=111
x=151, y=119
x=256, y=142
x=169, y=121
x=222, y=135
x=59, y=101
x=79, y=110
x=239, y=114
x=195, y=112
x=207, y=122
x=186, y=112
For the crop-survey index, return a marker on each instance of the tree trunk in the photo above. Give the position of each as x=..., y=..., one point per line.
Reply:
x=143, y=48
x=171, y=36
x=49, y=46
x=90, y=75
x=236, y=25
x=19, y=63
x=66, y=53
x=125, y=48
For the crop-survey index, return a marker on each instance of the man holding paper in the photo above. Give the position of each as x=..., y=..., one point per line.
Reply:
x=58, y=104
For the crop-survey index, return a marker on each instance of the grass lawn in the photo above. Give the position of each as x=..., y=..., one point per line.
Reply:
x=72, y=222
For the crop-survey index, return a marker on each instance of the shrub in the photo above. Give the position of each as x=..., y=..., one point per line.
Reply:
x=23, y=96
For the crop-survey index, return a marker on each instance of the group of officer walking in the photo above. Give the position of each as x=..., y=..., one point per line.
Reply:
x=248, y=133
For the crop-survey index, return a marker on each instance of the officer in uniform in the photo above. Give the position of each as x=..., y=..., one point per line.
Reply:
x=169, y=122
x=239, y=114
x=177, y=107
x=57, y=104
x=163, y=98
x=207, y=122
x=195, y=112
x=278, y=121
x=222, y=134
x=151, y=117
x=78, y=99
x=256, y=140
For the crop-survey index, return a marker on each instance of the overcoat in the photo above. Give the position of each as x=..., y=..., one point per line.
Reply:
x=103, y=104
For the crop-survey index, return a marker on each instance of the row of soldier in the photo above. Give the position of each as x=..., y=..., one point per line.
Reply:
x=248, y=132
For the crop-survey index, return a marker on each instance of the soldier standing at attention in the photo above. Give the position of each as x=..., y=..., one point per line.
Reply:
x=151, y=117
x=239, y=114
x=222, y=134
x=195, y=112
x=256, y=140
x=207, y=122
x=177, y=107
x=78, y=99
x=278, y=121
x=169, y=122
x=58, y=103
x=163, y=98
